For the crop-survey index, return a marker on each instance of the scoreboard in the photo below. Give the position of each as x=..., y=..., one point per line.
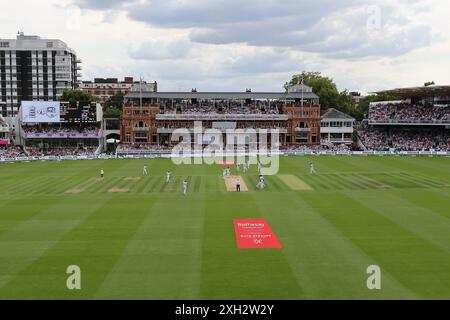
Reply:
x=58, y=112
x=71, y=113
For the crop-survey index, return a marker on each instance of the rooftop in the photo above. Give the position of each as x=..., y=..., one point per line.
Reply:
x=33, y=42
x=332, y=113
x=223, y=95
x=425, y=91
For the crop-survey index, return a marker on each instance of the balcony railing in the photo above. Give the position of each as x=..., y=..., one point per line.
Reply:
x=302, y=129
x=191, y=130
x=221, y=117
x=141, y=129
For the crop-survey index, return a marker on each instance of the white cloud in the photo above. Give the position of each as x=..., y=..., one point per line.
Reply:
x=234, y=44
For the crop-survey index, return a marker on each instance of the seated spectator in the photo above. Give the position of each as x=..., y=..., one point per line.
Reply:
x=407, y=112
x=405, y=140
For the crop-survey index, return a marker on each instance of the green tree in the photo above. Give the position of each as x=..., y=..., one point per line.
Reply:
x=113, y=106
x=326, y=89
x=75, y=95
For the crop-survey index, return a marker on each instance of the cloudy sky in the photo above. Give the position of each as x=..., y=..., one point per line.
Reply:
x=234, y=44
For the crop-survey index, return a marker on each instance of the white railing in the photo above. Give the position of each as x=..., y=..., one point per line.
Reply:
x=191, y=130
x=167, y=154
x=219, y=117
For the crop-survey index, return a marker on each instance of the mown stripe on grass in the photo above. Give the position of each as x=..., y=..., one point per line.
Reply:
x=161, y=184
x=17, y=185
x=20, y=270
x=123, y=220
x=175, y=184
x=389, y=243
x=210, y=183
x=196, y=183
x=431, y=199
x=231, y=273
x=408, y=182
x=275, y=184
x=86, y=183
x=220, y=184
x=366, y=183
x=371, y=183
x=252, y=182
x=425, y=223
x=333, y=181
x=17, y=211
x=421, y=180
x=355, y=183
x=321, y=181
x=203, y=180
x=162, y=260
x=104, y=185
x=139, y=185
x=42, y=188
x=323, y=260
x=310, y=181
x=293, y=182
x=60, y=185
x=151, y=182
x=33, y=185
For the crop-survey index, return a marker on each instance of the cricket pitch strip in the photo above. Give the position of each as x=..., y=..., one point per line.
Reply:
x=230, y=183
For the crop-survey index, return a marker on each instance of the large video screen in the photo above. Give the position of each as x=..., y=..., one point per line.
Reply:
x=75, y=114
x=40, y=111
x=55, y=112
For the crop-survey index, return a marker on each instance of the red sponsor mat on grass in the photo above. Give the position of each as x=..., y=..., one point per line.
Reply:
x=255, y=233
x=226, y=163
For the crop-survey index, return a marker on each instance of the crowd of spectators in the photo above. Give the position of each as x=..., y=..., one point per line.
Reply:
x=60, y=151
x=407, y=112
x=61, y=131
x=136, y=148
x=405, y=140
x=318, y=148
x=9, y=151
x=374, y=139
x=222, y=107
x=124, y=148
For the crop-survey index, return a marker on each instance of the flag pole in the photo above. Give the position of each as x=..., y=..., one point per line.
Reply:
x=140, y=93
x=302, y=93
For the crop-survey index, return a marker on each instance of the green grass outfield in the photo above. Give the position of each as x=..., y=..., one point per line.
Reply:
x=154, y=243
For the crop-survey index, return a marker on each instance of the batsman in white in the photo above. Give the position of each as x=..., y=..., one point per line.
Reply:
x=261, y=183
x=145, y=170
x=185, y=184
x=168, y=173
x=312, y=170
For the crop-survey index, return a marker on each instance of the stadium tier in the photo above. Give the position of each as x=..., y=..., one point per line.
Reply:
x=394, y=112
x=152, y=117
x=419, y=120
x=60, y=129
